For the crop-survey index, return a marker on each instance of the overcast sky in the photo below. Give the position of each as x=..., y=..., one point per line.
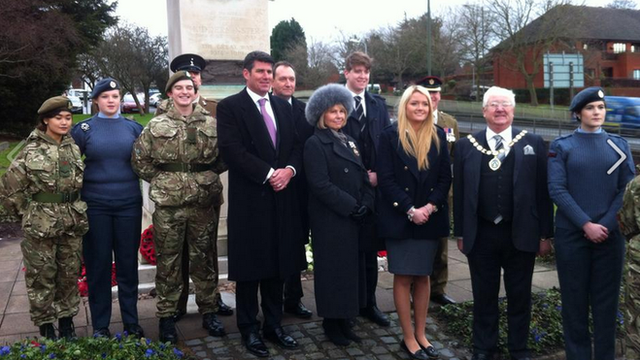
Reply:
x=321, y=20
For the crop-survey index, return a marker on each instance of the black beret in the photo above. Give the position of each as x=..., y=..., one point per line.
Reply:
x=103, y=85
x=588, y=95
x=188, y=62
x=55, y=103
x=180, y=75
x=326, y=97
x=432, y=83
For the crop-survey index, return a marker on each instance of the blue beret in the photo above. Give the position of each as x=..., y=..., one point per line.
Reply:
x=588, y=95
x=326, y=97
x=103, y=85
x=188, y=62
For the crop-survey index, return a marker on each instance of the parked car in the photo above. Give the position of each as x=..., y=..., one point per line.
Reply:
x=76, y=104
x=155, y=99
x=128, y=105
x=623, y=111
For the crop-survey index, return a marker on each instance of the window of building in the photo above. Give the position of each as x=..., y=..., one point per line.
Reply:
x=585, y=46
x=635, y=48
x=619, y=48
x=636, y=74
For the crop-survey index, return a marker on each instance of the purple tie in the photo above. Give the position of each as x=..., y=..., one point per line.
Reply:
x=271, y=126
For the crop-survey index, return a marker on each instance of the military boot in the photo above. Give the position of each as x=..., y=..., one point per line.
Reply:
x=66, y=329
x=168, y=330
x=48, y=331
x=211, y=323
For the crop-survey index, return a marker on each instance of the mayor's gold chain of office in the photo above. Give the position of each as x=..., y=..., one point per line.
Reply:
x=495, y=163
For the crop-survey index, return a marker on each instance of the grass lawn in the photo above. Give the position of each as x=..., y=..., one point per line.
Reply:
x=9, y=153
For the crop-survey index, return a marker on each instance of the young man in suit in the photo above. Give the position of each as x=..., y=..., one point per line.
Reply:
x=257, y=140
x=284, y=85
x=450, y=126
x=365, y=123
x=503, y=216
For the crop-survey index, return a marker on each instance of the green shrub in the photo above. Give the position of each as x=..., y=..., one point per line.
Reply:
x=117, y=348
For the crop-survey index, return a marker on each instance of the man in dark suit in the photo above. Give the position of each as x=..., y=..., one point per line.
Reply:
x=365, y=123
x=257, y=140
x=194, y=64
x=284, y=85
x=502, y=217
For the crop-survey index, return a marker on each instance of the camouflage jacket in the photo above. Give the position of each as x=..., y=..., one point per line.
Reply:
x=172, y=138
x=43, y=165
x=629, y=214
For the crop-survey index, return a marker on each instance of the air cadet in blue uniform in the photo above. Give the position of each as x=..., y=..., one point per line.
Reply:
x=588, y=172
x=112, y=192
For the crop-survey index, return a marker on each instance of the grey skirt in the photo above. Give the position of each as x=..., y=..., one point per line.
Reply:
x=411, y=256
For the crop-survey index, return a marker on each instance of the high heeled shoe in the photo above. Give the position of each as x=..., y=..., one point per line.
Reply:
x=431, y=352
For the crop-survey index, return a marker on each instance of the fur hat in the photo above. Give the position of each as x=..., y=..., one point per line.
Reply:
x=324, y=98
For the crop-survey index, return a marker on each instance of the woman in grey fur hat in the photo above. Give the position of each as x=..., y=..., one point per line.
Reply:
x=340, y=201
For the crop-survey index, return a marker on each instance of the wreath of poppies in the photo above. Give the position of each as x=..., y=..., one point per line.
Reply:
x=147, y=246
x=83, y=287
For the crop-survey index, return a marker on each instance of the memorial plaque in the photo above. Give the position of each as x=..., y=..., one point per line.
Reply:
x=218, y=29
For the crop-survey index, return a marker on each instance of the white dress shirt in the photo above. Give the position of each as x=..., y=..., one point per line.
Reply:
x=506, y=139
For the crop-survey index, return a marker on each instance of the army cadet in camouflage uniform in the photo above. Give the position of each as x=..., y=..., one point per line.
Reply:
x=629, y=220
x=178, y=154
x=42, y=186
x=194, y=64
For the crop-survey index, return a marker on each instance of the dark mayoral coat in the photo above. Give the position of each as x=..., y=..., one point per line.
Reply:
x=263, y=225
x=337, y=183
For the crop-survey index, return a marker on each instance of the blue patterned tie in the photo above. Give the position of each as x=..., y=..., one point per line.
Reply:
x=358, y=111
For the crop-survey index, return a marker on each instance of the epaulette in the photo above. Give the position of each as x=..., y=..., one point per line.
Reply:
x=615, y=135
x=564, y=136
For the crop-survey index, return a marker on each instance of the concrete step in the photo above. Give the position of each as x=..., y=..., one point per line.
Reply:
x=147, y=276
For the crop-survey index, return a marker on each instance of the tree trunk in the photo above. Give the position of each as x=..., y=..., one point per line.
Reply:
x=532, y=90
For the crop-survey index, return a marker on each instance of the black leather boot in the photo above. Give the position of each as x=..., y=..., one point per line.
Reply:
x=168, y=330
x=66, y=329
x=347, y=331
x=47, y=331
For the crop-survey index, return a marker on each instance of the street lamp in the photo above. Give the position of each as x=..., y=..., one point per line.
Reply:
x=358, y=41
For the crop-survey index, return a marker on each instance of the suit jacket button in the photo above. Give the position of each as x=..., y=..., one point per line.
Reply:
x=346, y=170
x=395, y=204
x=406, y=168
x=406, y=189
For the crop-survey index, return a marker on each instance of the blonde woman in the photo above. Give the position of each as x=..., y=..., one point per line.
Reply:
x=414, y=176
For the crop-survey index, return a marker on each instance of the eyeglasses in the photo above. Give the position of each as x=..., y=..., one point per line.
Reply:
x=505, y=104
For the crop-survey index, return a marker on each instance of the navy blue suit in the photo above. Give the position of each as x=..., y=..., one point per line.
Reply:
x=510, y=244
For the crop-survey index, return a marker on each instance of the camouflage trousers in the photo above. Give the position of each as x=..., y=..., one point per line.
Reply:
x=52, y=270
x=173, y=227
x=631, y=305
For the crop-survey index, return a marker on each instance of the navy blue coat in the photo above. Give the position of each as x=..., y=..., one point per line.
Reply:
x=532, y=207
x=402, y=186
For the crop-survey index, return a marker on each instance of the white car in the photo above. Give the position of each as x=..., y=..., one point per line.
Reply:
x=76, y=104
x=155, y=99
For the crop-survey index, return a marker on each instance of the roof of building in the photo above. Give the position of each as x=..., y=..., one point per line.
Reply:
x=592, y=23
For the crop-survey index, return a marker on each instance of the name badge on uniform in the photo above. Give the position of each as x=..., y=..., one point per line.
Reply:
x=191, y=134
x=451, y=136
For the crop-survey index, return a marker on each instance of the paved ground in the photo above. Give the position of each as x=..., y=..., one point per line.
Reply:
x=378, y=343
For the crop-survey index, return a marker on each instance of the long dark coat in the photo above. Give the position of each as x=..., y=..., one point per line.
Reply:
x=264, y=226
x=337, y=183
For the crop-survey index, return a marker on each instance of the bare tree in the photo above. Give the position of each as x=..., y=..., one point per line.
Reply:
x=134, y=58
x=474, y=32
x=525, y=40
x=622, y=4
